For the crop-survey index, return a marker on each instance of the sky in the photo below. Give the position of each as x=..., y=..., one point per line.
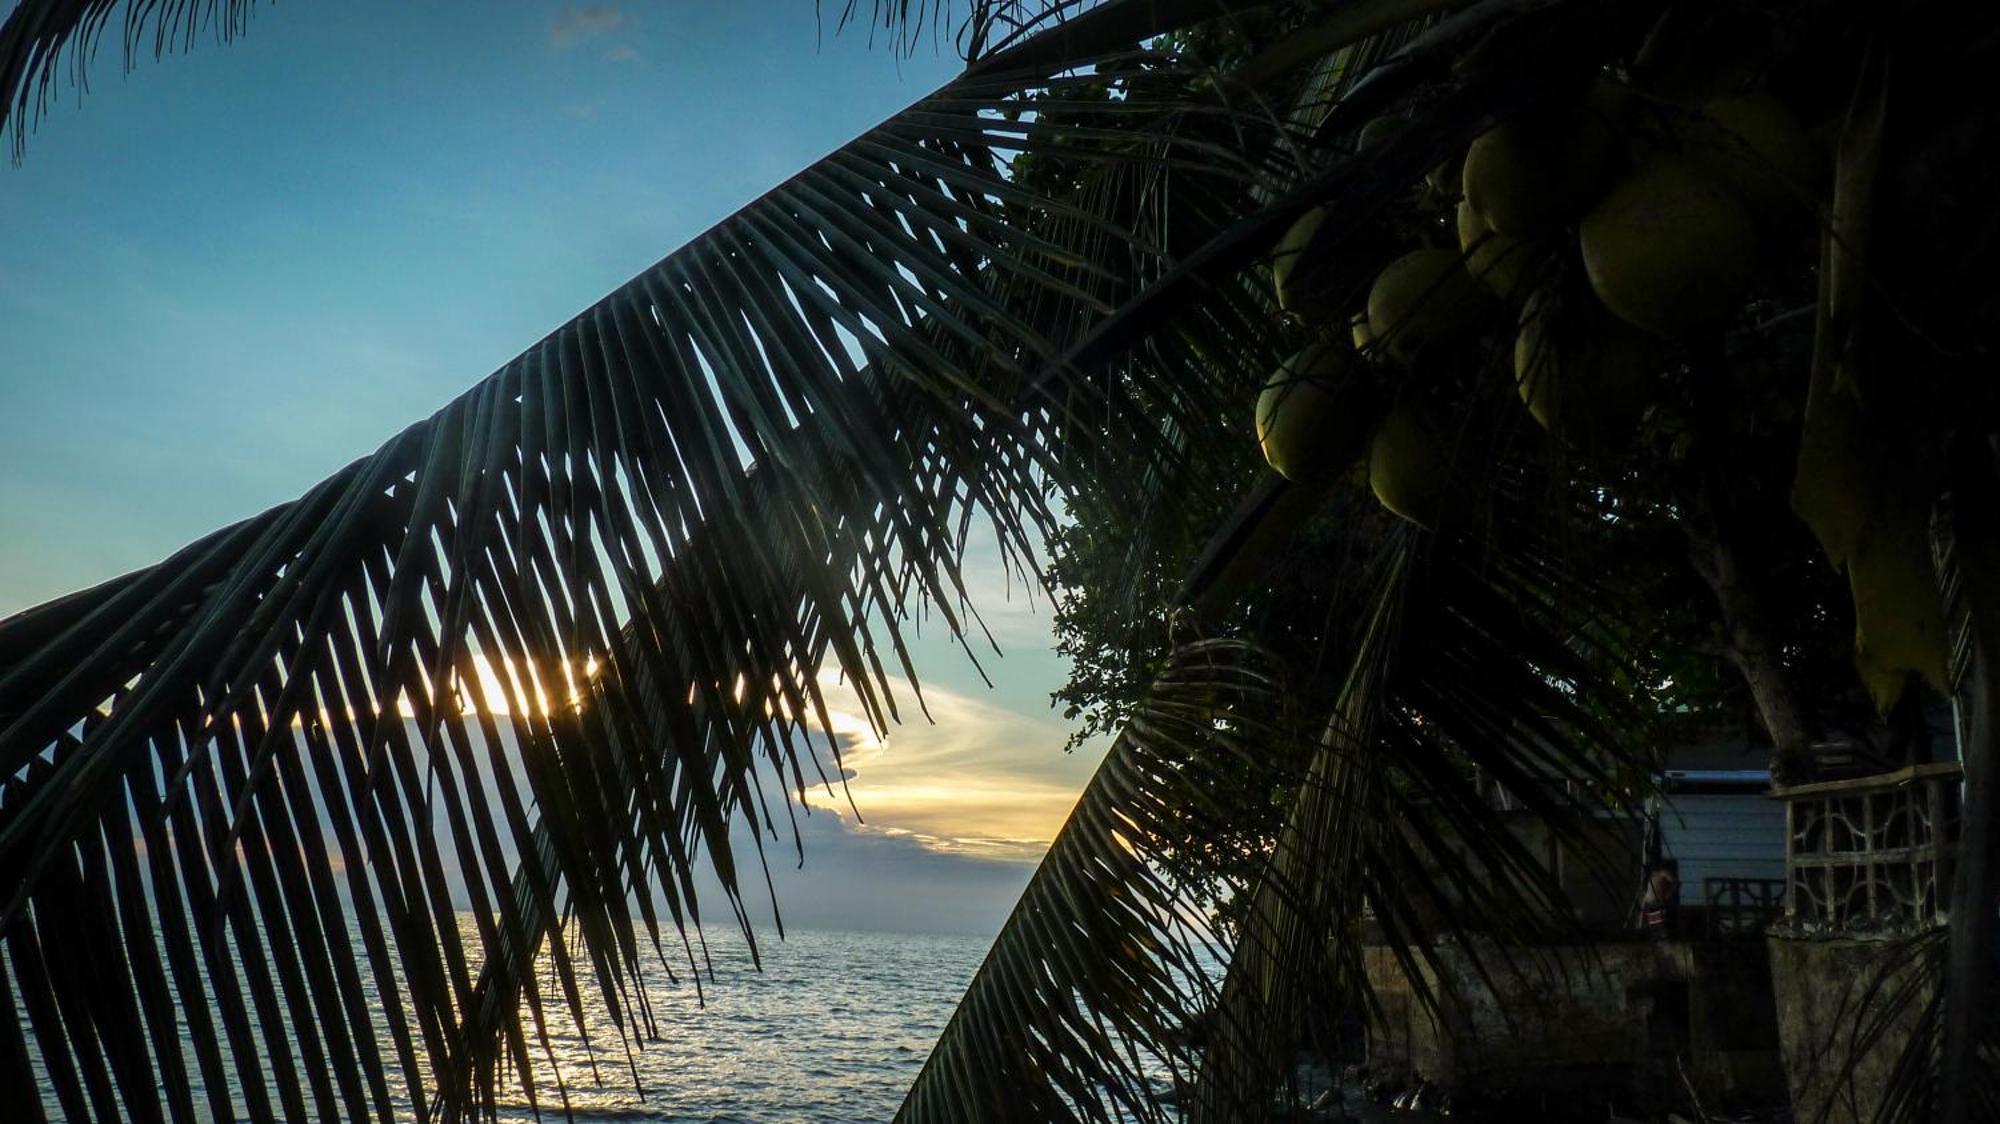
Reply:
x=229, y=273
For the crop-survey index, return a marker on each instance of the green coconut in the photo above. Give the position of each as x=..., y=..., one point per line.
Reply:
x=1540, y=170
x=1499, y=262
x=1314, y=413
x=1423, y=301
x=1357, y=330
x=1287, y=258
x=1582, y=372
x=1380, y=131
x=1406, y=468
x=1670, y=250
x=1314, y=275
x=1445, y=179
x=1754, y=145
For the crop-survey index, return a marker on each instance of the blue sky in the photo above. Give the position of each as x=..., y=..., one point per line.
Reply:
x=227, y=274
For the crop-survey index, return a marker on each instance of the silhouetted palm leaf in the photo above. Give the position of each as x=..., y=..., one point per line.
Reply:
x=1451, y=664
x=45, y=44
x=1083, y=1006
x=540, y=642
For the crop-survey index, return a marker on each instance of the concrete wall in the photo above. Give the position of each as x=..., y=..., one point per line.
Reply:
x=1618, y=1019
x=1826, y=988
x=1601, y=878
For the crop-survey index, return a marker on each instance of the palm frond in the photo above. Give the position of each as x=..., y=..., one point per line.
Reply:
x=984, y=27
x=1083, y=1007
x=1465, y=677
x=1449, y=665
x=45, y=43
x=528, y=655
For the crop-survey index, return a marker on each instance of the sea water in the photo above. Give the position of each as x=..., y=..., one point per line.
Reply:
x=834, y=1027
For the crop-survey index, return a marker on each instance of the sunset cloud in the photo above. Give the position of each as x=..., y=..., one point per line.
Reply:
x=979, y=780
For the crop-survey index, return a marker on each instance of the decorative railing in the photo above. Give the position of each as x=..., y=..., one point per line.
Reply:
x=1741, y=907
x=1871, y=853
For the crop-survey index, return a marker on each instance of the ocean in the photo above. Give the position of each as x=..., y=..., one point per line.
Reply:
x=833, y=1029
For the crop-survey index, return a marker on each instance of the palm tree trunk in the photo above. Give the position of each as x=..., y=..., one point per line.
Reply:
x=1969, y=967
x=1976, y=887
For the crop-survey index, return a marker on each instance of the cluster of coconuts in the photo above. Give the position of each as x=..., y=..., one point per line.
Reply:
x=1322, y=412
x=1669, y=209
x=1666, y=208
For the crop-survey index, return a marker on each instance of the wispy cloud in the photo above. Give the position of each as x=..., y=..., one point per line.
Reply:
x=980, y=780
x=623, y=52
x=580, y=25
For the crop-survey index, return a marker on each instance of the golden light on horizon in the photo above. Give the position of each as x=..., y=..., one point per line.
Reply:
x=973, y=778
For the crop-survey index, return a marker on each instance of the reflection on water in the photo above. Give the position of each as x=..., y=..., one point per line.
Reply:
x=834, y=1028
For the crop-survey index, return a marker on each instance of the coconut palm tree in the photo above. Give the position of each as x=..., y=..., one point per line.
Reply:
x=748, y=465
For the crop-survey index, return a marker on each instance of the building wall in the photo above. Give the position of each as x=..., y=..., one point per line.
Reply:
x=1723, y=836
